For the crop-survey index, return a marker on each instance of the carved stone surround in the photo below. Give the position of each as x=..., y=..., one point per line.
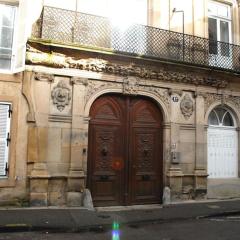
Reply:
x=128, y=86
x=56, y=60
x=210, y=98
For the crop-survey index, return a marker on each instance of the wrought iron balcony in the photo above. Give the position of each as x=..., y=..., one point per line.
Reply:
x=91, y=31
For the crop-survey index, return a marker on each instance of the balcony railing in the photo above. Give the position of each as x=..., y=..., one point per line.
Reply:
x=98, y=32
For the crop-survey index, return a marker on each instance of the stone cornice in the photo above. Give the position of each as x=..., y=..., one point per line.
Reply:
x=56, y=60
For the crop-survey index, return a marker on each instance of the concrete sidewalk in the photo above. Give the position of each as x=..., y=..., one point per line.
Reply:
x=80, y=219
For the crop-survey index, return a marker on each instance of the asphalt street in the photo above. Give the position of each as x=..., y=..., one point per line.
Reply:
x=210, y=229
x=197, y=220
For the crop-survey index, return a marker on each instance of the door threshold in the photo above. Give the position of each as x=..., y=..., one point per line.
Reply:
x=128, y=208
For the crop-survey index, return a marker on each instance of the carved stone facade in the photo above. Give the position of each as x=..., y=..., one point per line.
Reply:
x=101, y=65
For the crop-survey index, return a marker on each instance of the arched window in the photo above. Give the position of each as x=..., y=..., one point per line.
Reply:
x=220, y=117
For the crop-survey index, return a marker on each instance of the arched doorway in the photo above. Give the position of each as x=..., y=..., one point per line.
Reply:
x=125, y=151
x=222, y=144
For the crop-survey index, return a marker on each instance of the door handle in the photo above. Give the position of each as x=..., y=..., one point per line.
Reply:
x=145, y=151
x=104, y=151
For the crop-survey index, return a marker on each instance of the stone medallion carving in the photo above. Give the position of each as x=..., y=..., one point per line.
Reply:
x=187, y=106
x=130, y=85
x=61, y=95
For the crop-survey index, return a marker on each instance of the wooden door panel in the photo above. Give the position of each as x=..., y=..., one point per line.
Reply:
x=106, y=144
x=106, y=147
x=146, y=165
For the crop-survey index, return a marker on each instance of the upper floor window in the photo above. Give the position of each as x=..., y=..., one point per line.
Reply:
x=7, y=23
x=219, y=28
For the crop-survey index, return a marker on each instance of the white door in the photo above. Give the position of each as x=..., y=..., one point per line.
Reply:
x=222, y=153
x=222, y=145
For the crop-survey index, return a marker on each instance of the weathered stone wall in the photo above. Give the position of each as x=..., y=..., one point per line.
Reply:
x=13, y=187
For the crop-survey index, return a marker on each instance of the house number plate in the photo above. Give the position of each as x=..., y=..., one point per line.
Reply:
x=175, y=99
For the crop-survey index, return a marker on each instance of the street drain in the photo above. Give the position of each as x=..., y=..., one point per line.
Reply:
x=228, y=216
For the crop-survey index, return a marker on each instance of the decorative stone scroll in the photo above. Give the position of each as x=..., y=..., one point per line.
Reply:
x=61, y=95
x=99, y=65
x=187, y=106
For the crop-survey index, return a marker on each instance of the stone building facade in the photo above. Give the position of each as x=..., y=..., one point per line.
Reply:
x=121, y=124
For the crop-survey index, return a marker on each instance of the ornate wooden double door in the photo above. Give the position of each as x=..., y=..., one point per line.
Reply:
x=125, y=151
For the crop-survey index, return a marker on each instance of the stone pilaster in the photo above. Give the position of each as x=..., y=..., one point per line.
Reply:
x=200, y=174
x=38, y=177
x=76, y=176
x=174, y=173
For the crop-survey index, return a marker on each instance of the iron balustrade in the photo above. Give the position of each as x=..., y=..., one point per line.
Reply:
x=87, y=30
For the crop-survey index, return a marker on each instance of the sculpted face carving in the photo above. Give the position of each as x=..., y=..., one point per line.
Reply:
x=61, y=96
